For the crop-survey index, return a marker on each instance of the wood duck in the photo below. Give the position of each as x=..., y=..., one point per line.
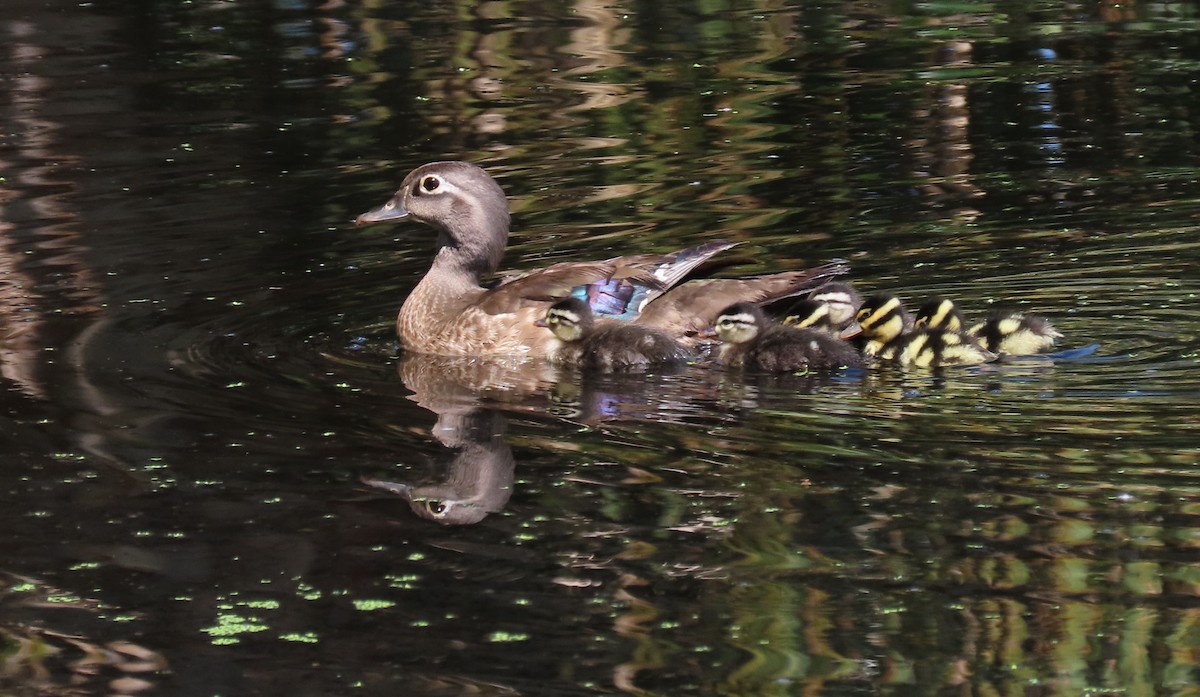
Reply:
x=812, y=314
x=753, y=341
x=451, y=313
x=1003, y=332
x=842, y=300
x=608, y=345
x=890, y=335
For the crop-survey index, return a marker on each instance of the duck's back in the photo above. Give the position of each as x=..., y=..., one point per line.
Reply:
x=784, y=349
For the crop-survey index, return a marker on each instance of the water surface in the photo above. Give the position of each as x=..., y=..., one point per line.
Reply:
x=199, y=367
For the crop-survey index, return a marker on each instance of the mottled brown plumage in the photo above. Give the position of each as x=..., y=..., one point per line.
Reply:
x=451, y=313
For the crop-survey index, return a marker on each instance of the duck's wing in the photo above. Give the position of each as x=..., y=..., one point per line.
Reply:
x=624, y=297
x=557, y=281
x=618, y=287
x=694, y=306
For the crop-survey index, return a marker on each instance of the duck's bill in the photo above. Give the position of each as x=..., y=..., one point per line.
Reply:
x=852, y=330
x=710, y=333
x=392, y=210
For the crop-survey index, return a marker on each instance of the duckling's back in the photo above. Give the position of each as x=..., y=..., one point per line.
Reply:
x=787, y=349
x=1016, y=333
x=933, y=348
x=616, y=346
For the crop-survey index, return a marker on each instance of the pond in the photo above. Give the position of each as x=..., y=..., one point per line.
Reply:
x=200, y=374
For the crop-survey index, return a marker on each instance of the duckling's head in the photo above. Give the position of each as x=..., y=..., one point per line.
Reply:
x=841, y=298
x=882, y=317
x=940, y=313
x=740, y=323
x=462, y=202
x=811, y=314
x=569, y=319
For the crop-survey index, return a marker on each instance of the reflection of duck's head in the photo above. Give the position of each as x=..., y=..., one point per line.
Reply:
x=478, y=476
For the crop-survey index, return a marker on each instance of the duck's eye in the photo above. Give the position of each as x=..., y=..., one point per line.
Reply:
x=435, y=507
x=430, y=183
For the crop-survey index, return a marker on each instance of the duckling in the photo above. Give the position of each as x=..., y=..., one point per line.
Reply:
x=941, y=313
x=812, y=314
x=841, y=298
x=1004, y=331
x=608, y=345
x=753, y=341
x=882, y=319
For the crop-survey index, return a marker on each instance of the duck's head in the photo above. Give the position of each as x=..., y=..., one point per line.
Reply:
x=811, y=314
x=461, y=201
x=570, y=320
x=841, y=299
x=882, y=317
x=739, y=323
x=940, y=313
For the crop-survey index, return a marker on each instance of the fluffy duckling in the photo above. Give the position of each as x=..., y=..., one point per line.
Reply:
x=1007, y=332
x=607, y=345
x=883, y=320
x=841, y=299
x=751, y=340
x=813, y=314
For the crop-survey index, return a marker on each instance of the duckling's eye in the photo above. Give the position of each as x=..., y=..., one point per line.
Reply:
x=430, y=183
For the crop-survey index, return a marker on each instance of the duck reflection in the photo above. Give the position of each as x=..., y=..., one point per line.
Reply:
x=468, y=396
x=473, y=398
x=479, y=474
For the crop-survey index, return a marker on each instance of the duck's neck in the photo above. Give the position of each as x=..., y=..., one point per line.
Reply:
x=452, y=282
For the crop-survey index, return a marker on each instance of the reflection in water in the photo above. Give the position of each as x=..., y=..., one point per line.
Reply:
x=1024, y=527
x=479, y=475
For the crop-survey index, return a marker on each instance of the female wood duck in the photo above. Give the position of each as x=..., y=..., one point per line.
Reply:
x=751, y=340
x=451, y=313
x=610, y=345
x=890, y=335
x=1003, y=332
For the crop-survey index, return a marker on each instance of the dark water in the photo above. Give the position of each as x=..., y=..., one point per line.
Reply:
x=199, y=368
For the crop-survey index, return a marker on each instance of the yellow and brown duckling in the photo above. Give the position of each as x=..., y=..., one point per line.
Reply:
x=607, y=345
x=883, y=321
x=751, y=340
x=841, y=299
x=813, y=314
x=1003, y=332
